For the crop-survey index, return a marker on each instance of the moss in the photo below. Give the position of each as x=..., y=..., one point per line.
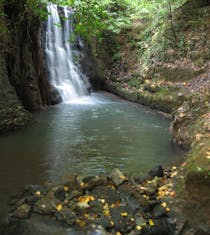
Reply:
x=13, y=117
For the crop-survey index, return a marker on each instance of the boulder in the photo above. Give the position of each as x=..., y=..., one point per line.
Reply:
x=156, y=171
x=117, y=177
x=22, y=212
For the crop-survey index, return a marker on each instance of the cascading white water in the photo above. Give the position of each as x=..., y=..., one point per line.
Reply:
x=64, y=75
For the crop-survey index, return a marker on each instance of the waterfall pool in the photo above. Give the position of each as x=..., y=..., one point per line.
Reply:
x=88, y=136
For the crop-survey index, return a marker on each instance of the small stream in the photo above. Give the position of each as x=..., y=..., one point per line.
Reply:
x=89, y=136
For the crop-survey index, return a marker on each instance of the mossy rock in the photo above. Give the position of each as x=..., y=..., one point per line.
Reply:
x=12, y=117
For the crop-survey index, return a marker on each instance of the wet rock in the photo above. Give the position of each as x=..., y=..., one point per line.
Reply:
x=114, y=204
x=22, y=212
x=55, y=96
x=122, y=217
x=117, y=177
x=17, y=201
x=66, y=215
x=72, y=182
x=73, y=194
x=139, y=219
x=151, y=191
x=91, y=182
x=153, y=203
x=133, y=198
x=160, y=228
x=46, y=206
x=35, y=188
x=109, y=194
x=60, y=194
x=96, y=206
x=105, y=222
x=157, y=171
x=158, y=211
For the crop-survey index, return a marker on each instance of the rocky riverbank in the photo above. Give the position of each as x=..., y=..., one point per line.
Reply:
x=107, y=204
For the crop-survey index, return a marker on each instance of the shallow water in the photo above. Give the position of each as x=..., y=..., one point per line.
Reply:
x=89, y=136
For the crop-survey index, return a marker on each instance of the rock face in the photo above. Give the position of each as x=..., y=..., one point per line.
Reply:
x=25, y=60
x=23, y=75
x=95, y=62
x=12, y=114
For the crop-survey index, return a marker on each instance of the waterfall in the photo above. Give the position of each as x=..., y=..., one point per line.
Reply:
x=64, y=75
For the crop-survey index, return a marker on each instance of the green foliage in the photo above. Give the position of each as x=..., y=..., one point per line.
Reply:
x=36, y=7
x=96, y=18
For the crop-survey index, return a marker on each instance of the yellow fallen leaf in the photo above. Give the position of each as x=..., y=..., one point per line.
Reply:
x=106, y=206
x=102, y=200
x=86, y=215
x=124, y=214
x=164, y=204
x=86, y=198
x=122, y=177
x=112, y=223
x=118, y=233
x=81, y=223
x=37, y=193
x=167, y=193
x=151, y=223
x=174, y=174
x=66, y=188
x=113, y=205
x=59, y=207
x=138, y=227
x=82, y=184
x=106, y=212
x=167, y=209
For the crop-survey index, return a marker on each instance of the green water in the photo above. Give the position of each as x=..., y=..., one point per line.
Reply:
x=88, y=137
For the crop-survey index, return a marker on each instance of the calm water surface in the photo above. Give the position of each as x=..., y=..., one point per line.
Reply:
x=87, y=137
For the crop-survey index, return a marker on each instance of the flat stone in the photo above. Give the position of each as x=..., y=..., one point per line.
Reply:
x=109, y=194
x=46, y=206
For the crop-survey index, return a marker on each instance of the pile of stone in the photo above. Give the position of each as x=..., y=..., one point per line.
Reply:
x=113, y=204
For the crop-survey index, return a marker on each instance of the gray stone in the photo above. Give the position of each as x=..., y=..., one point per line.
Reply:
x=22, y=212
x=117, y=177
x=46, y=206
x=158, y=211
